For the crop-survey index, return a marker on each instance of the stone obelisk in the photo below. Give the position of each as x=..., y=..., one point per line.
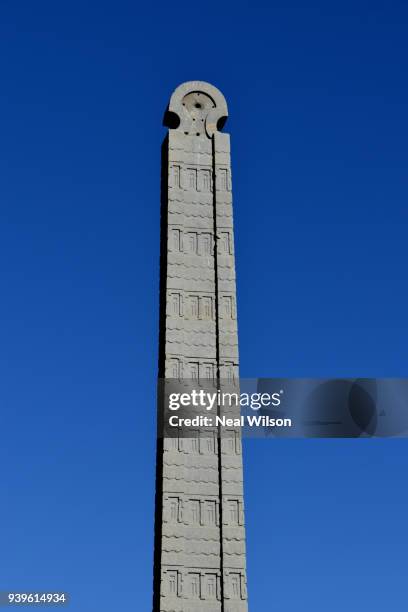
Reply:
x=200, y=559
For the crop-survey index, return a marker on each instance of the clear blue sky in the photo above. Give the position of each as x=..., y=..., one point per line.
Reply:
x=318, y=116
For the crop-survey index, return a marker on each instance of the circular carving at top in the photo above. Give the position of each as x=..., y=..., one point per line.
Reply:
x=200, y=107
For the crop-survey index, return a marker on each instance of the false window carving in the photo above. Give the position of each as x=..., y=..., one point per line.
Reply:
x=194, y=370
x=174, y=368
x=206, y=244
x=173, y=442
x=195, y=441
x=192, y=178
x=229, y=372
x=225, y=243
x=235, y=582
x=211, y=586
x=205, y=180
x=211, y=443
x=193, y=306
x=195, y=590
x=175, y=304
x=206, y=307
x=227, y=306
x=207, y=371
x=173, y=583
x=233, y=512
x=195, y=511
x=176, y=177
x=223, y=179
x=191, y=242
x=174, y=503
x=175, y=242
x=210, y=510
x=232, y=442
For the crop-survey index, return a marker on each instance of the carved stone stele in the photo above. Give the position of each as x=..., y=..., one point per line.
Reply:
x=200, y=560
